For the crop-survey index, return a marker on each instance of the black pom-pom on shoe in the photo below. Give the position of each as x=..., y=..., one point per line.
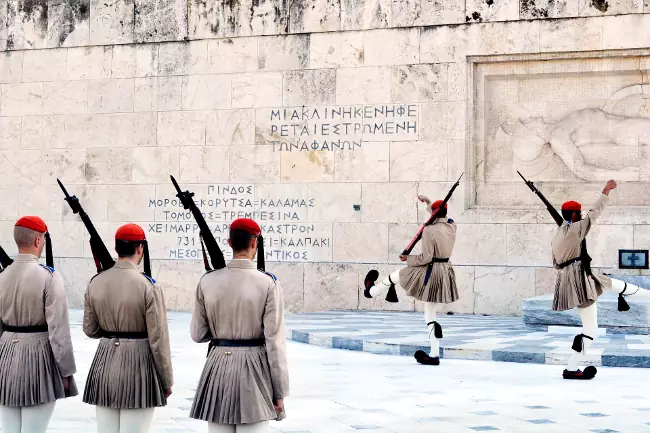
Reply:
x=622, y=303
x=369, y=281
x=422, y=358
x=590, y=372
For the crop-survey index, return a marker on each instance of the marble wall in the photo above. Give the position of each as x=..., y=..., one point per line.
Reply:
x=324, y=120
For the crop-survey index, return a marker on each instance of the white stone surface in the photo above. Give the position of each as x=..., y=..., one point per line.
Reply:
x=257, y=90
x=360, y=242
x=363, y=85
x=492, y=10
x=331, y=50
x=89, y=63
x=232, y=55
x=331, y=285
x=500, y=291
x=391, y=47
x=286, y=52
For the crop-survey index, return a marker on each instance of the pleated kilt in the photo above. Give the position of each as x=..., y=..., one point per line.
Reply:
x=441, y=287
x=124, y=376
x=574, y=288
x=235, y=387
x=28, y=372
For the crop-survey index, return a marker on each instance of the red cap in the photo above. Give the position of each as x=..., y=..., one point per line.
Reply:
x=130, y=232
x=32, y=223
x=571, y=205
x=436, y=204
x=247, y=225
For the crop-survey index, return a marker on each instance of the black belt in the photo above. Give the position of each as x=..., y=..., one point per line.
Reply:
x=25, y=329
x=568, y=262
x=125, y=335
x=257, y=342
x=430, y=267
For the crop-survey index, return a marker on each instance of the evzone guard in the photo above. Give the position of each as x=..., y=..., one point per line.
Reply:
x=576, y=285
x=36, y=355
x=239, y=309
x=131, y=373
x=428, y=277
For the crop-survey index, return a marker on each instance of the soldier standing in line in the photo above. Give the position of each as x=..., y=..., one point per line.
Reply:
x=428, y=276
x=576, y=285
x=131, y=373
x=36, y=355
x=240, y=310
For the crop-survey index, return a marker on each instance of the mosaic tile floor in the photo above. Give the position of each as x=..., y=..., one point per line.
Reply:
x=340, y=391
x=465, y=337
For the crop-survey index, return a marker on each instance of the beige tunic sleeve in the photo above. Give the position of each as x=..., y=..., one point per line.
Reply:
x=425, y=257
x=583, y=226
x=274, y=334
x=158, y=331
x=199, y=328
x=58, y=324
x=90, y=323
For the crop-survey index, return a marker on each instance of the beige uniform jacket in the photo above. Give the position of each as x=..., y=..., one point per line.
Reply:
x=241, y=303
x=31, y=294
x=566, y=243
x=121, y=299
x=438, y=240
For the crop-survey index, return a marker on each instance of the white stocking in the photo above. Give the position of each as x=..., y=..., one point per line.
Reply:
x=589, y=318
x=618, y=286
x=34, y=419
x=430, y=316
x=380, y=289
x=258, y=427
x=108, y=420
x=10, y=419
x=135, y=420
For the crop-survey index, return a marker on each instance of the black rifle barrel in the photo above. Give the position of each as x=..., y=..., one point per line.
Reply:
x=554, y=213
x=418, y=236
x=211, y=245
x=103, y=259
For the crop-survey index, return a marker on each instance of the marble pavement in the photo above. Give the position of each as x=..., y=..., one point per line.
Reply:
x=340, y=391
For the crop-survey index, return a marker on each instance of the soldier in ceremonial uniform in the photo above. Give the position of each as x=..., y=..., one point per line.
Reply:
x=36, y=356
x=575, y=287
x=131, y=373
x=240, y=310
x=428, y=277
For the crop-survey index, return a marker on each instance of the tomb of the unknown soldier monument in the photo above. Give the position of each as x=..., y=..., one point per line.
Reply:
x=329, y=122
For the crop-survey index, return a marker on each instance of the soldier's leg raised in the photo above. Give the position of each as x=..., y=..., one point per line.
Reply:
x=385, y=287
x=625, y=290
x=10, y=419
x=582, y=343
x=34, y=419
x=435, y=334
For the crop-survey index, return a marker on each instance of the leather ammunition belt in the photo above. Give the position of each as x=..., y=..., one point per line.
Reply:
x=568, y=262
x=25, y=329
x=237, y=343
x=125, y=335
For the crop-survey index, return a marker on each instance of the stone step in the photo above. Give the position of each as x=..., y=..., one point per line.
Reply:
x=539, y=311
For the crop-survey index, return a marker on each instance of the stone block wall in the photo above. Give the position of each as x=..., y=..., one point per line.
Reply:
x=324, y=119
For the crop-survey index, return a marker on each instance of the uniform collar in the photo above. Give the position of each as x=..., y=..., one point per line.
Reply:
x=26, y=258
x=125, y=264
x=241, y=264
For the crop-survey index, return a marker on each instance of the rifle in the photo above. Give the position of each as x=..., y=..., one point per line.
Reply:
x=5, y=260
x=103, y=259
x=584, y=255
x=433, y=217
x=216, y=255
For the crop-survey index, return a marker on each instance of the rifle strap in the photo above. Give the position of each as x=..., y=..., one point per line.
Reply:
x=205, y=256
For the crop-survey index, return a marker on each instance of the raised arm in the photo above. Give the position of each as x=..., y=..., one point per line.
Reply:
x=584, y=226
x=58, y=326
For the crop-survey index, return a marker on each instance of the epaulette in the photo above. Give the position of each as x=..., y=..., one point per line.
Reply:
x=152, y=279
x=48, y=268
x=269, y=274
x=449, y=220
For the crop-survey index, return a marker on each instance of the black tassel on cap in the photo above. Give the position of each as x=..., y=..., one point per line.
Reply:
x=147, y=262
x=49, y=258
x=260, y=253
